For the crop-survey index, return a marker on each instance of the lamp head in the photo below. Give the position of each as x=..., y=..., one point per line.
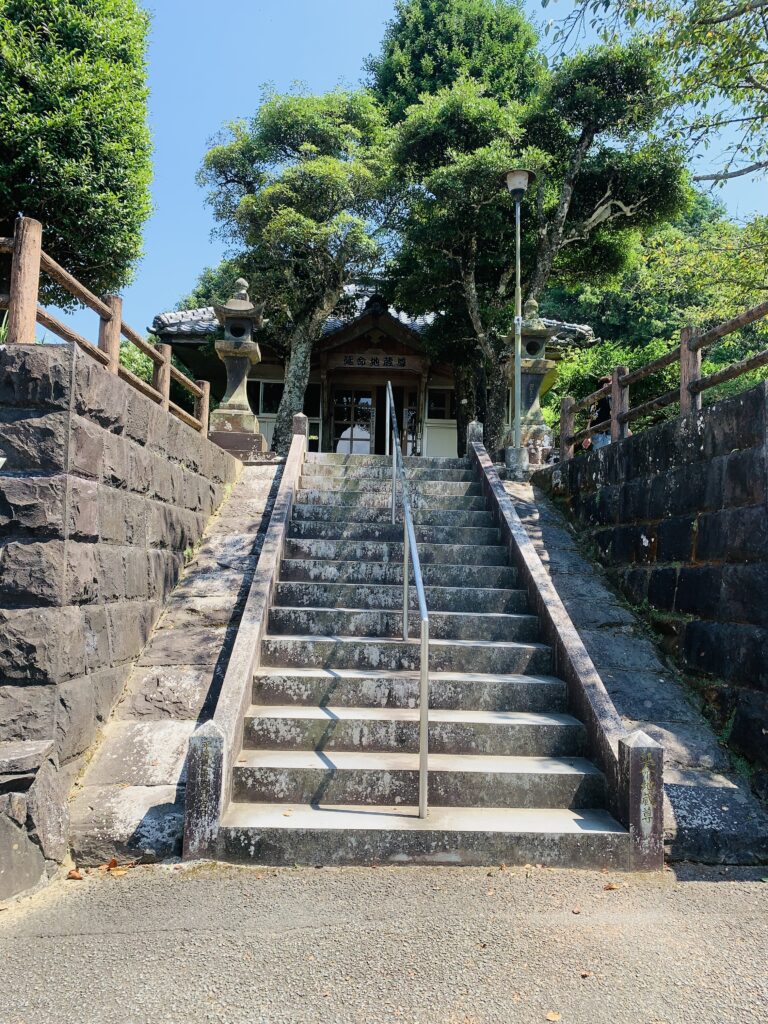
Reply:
x=518, y=179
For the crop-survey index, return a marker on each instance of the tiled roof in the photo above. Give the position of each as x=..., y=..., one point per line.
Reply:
x=202, y=322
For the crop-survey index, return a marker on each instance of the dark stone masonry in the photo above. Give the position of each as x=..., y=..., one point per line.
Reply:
x=678, y=512
x=101, y=495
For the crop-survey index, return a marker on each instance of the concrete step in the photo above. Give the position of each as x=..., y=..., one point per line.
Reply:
x=328, y=834
x=435, y=574
x=350, y=485
x=377, y=623
x=389, y=532
x=382, y=515
x=417, y=461
x=455, y=780
x=388, y=551
x=379, y=689
x=366, y=595
x=462, y=503
x=501, y=658
x=321, y=471
x=513, y=733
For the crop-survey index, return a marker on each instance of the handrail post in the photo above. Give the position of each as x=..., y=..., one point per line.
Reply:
x=110, y=332
x=424, y=720
x=690, y=370
x=25, y=282
x=161, y=375
x=203, y=405
x=388, y=426
x=619, y=403
x=567, y=420
x=406, y=570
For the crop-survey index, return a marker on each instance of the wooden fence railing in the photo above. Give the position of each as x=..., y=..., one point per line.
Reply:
x=688, y=355
x=28, y=262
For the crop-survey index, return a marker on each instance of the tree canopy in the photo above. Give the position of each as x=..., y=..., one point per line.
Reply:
x=74, y=145
x=430, y=44
x=714, y=54
x=301, y=191
x=585, y=130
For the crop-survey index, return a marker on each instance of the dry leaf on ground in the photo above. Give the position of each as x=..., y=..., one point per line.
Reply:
x=75, y=875
x=554, y=1016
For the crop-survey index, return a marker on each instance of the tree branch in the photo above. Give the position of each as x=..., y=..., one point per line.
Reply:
x=725, y=175
x=735, y=12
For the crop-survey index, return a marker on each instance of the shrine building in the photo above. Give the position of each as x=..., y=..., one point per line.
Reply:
x=345, y=400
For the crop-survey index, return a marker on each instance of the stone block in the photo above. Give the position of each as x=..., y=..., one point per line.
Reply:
x=21, y=863
x=735, y=424
x=106, y=685
x=162, y=484
x=81, y=584
x=33, y=443
x=744, y=482
x=633, y=501
x=32, y=505
x=96, y=637
x=110, y=566
x=164, y=568
x=662, y=586
x=750, y=727
x=675, y=539
x=86, y=448
x=745, y=593
x=76, y=720
x=139, y=468
x=733, y=535
x=98, y=395
x=83, y=509
x=115, y=466
x=27, y=711
x=634, y=583
x=730, y=651
x=135, y=512
x=137, y=417
x=157, y=428
x=48, y=811
x=130, y=625
x=136, y=574
x=36, y=376
x=123, y=821
x=148, y=753
x=698, y=591
x=112, y=515
x=32, y=573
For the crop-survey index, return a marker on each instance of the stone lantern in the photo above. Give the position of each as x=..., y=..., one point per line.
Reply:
x=536, y=435
x=234, y=425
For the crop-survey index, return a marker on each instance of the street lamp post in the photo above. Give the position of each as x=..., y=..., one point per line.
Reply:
x=518, y=180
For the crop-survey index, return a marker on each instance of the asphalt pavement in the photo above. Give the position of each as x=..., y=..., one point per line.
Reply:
x=223, y=945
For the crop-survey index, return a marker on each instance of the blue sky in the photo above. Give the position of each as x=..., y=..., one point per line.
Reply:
x=207, y=63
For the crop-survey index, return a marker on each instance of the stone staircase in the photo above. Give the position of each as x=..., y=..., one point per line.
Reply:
x=328, y=773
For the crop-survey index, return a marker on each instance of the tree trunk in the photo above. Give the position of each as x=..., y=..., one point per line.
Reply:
x=481, y=392
x=296, y=380
x=496, y=430
x=464, y=377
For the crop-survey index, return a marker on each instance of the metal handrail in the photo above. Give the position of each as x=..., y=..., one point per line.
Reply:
x=411, y=553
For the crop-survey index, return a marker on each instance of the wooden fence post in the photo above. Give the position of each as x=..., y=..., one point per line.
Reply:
x=567, y=421
x=690, y=370
x=110, y=332
x=619, y=404
x=25, y=282
x=203, y=405
x=161, y=376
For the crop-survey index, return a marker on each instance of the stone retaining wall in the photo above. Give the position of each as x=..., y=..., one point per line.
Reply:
x=101, y=495
x=679, y=513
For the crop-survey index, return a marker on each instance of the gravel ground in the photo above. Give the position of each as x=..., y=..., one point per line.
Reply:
x=211, y=943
